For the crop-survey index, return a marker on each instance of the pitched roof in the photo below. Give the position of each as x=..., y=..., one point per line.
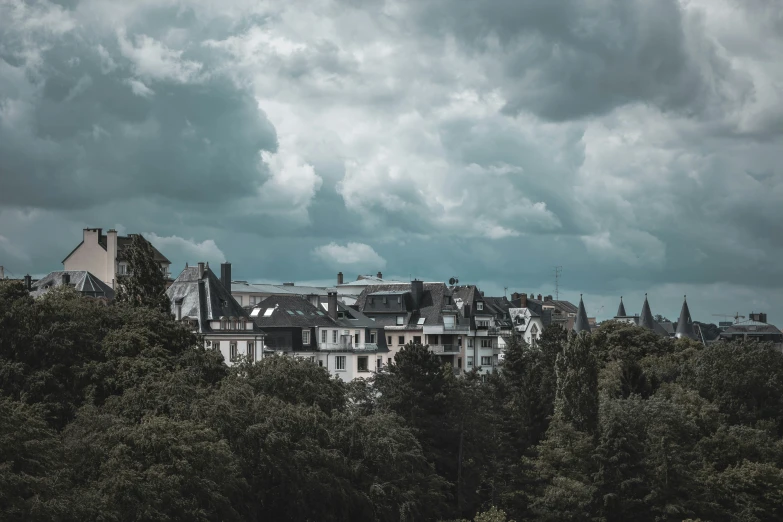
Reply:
x=290, y=311
x=124, y=241
x=581, y=324
x=685, y=323
x=81, y=280
x=621, y=309
x=431, y=307
x=646, y=319
x=204, y=299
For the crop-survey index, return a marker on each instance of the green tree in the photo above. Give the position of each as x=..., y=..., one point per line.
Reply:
x=576, y=400
x=145, y=284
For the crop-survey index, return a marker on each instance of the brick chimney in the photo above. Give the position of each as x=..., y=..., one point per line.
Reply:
x=380, y=275
x=417, y=292
x=331, y=298
x=339, y=278
x=201, y=270
x=522, y=300
x=28, y=282
x=539, y=297
x=225, y=276
x=548, y=298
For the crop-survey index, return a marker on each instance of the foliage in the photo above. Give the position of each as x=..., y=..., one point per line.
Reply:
x=144, y=285
x=116, y=412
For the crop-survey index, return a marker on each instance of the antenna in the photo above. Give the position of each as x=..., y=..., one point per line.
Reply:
x=558, y=270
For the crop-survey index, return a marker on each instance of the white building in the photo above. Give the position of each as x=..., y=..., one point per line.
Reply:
x=103, y=256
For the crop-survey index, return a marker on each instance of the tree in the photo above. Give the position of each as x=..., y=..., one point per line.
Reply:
x=576, y=400
x=144, y=285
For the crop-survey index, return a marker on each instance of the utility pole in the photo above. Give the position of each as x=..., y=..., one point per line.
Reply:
x=558, y=270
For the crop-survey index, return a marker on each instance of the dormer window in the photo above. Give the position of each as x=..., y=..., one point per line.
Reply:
x=479, y=305
x=372, y=300
x=447, y=300
x=385, y=300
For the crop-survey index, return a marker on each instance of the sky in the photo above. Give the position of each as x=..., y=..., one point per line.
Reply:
x=638, y=144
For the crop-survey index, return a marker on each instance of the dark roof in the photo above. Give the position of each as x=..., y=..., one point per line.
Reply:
x=685, y=323
x=581, y=324
x=81, y=280
x=204, y=299
x=621, y=309
x=499, y=306
x=751, y=327
x=430, y=308
x=646, y=319
x=290, y=311
x=564, y=306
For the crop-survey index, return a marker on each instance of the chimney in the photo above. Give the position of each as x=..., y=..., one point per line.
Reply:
x=201, y=270
x=178, y=309
x=28, y=282
x=539, y=297
x=417, y=292
x=763, y=318
x=66, y=279
x=225, y=276
x=2, y=273
x=339, y=278
x=332, y=304
x=380, y=275
x=523, y=300
x=111, y=254
x=288, y=284
x=548, y=298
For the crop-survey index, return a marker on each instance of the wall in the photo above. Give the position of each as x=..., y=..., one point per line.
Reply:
x=90, y=256
x=225, y=346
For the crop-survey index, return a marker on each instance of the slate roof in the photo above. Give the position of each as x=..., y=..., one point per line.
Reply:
x=203, y=299
x=621, y=309
x=564, y=306
x=122, y=243
x=646, y=319
x=685, y=323
x=371, y=281
x=581, y=324
x=290, y=311
x=81, y=280
x=752, y=328
x=499, y=306
x=432, y=304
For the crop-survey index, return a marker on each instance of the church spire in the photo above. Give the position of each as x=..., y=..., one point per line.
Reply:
x=646, y=320
x=621, y=309
x=685, y=324
x=581, y=324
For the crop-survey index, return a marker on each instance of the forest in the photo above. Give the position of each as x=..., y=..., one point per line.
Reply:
x=115, y=412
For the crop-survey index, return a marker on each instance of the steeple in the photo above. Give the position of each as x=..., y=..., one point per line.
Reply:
x=685, y=324
x=621, y=309
x=581, y=324
x=646, y=320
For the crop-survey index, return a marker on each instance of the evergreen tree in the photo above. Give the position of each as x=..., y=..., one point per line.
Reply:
x=576, y=400
x=144, y=285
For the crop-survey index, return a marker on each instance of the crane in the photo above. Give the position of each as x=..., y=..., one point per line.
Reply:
x=736, y=316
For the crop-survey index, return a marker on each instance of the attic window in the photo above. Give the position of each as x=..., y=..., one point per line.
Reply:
x=421, y=320
x=385, y=300
x=372, y=300
x=290, y=312
x=268, y=312
x=400, y=320
x=299, y=312
x=479, y=305
x=447, y=300
x=255, y=312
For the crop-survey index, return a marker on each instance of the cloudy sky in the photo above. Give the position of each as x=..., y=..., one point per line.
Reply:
x=635, y=143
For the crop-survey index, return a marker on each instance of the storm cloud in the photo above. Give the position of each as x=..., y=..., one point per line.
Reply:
x=636, y=143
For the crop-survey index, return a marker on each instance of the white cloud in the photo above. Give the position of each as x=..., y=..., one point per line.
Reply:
x=175, y=247
x=359, y=255
x=153, y=60
x=139, y=89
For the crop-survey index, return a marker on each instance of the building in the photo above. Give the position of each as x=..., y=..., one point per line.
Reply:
x=582, y=324
x=103, y=256
x=645, y=319
x=754, y=329
x=426, y=313
x=201, y=299
x=80, y=280
x=337, y=337
x=350, y=291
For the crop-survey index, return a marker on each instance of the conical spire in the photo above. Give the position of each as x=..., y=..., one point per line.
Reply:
x=646, y=320
x=581, y=324
x=621, y=309
x=685, y=324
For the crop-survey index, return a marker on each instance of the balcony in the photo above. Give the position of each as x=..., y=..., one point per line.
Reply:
x=348, y=347
x=445, y=348
x=457, y=328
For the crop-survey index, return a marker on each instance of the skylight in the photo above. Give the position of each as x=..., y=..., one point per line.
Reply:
x=299, y=312
x=255, y=312
x=422, y=319
x=268, y=312
x=290, y=312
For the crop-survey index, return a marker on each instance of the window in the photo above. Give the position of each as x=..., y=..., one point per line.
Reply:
x=232, y=348
x=389, y=340
x=372, y=300
x=122, y=269
x=320, y=363
x=486, y=343
x=334, y=336
x=251, y=351
x=401, y=340
x=239, y=299
x=378, y=364
x=305, y=336
x=323, y=335
x=385, y=300
x=447, y=300
x=486, y=361
x=268, y=312
x=388, y=361
x=356, y=337
x=339, y=363
x=484, y=323
x=479, y=305
x=448, y=321
x=373, y=336
x=470, y=361
x=362, y=364
x=421, y=320
x=417, y=339
x=399, y=300
x=400, y=320
x=470, y=342
x=216, y=345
